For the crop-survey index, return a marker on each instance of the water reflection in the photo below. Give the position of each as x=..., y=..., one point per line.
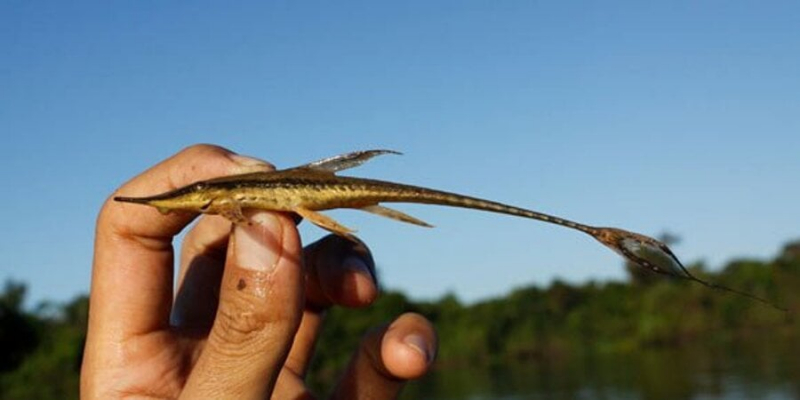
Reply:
x=758, y=368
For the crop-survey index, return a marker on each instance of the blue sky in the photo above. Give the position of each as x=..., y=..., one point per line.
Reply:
x=677, y=116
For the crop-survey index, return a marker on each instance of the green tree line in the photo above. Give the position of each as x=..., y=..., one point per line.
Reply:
x=530, y=324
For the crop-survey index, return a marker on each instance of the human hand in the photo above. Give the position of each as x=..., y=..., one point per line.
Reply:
x=249, y=306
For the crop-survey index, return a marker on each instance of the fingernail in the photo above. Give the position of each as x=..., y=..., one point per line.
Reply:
x=250, y=164
x=252, y=242
x=357, y=264
x=418, y=343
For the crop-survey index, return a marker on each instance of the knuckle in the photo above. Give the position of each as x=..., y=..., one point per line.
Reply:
x=243, y=323
x=237, y=326
x=197, y=162
x=203, y=149
x=106, y=210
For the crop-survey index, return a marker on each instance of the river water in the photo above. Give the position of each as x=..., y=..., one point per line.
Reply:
x=756, y=368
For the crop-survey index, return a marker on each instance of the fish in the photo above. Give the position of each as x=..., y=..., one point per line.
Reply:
x=313, y=187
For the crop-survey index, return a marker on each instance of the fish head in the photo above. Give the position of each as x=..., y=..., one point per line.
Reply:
x=196, y=197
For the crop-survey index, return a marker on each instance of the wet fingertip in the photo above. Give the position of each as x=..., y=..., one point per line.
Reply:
x=358, y=279
x=260, y=244
x=358, y=265
x=419, y=344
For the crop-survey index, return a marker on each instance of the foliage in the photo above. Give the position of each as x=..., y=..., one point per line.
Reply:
x=531, y=324
x=60, y=333
x=18, y=331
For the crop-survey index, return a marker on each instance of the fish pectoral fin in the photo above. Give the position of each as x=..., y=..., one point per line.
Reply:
x=345, y=161
x=226, y=207
x=325, y=222
x=394, y=214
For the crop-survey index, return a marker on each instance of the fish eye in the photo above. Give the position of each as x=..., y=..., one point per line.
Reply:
x=199, y=185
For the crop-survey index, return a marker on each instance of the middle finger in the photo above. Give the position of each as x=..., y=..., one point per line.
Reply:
x=339, y=272
x=200, y=273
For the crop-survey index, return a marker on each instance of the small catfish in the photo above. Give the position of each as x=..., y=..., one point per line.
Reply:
x=310, y=188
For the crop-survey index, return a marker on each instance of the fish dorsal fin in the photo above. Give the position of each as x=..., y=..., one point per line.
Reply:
x=344, y=161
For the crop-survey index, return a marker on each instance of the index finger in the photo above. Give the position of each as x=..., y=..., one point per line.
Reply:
x=132, y=272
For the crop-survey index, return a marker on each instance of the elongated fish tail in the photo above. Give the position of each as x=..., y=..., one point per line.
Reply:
x=552, y=219
x=691, y=277
x=751, y=296
x=589, y=230
x=455, y=200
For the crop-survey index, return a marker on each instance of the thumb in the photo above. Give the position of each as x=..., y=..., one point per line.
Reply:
x=260, y=306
